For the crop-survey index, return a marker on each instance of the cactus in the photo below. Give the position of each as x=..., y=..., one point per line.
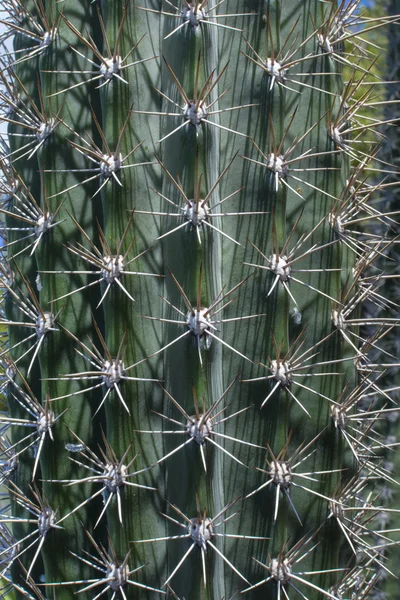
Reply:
x=190, y=207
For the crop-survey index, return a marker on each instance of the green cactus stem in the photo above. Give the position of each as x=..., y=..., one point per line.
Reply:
x=189, y=217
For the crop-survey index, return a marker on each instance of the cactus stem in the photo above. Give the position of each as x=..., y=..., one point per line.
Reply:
x=311, y=148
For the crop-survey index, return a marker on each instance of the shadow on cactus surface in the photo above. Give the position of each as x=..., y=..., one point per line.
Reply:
x=199, y=306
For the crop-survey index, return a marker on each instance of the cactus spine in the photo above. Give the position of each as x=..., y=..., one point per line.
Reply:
x=188, y=216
